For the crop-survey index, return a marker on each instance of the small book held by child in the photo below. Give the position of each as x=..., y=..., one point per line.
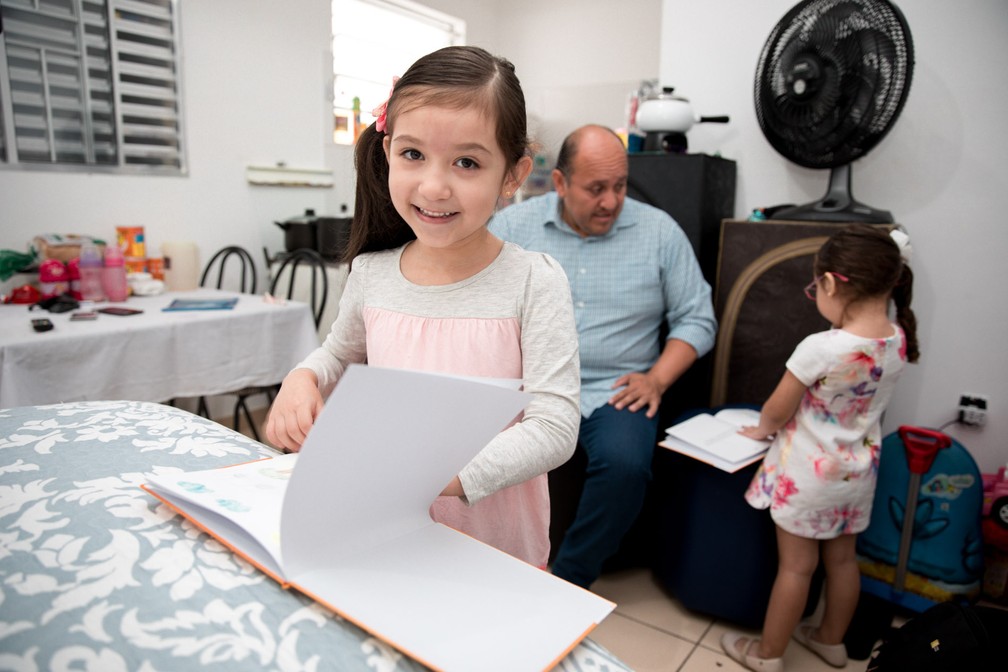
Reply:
x=714, y=439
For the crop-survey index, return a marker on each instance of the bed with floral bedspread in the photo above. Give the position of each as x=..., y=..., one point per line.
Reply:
x=95, y=574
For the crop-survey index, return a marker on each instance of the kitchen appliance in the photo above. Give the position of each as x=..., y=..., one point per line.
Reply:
x=326, y=235
x=300, y=232
x=665, y=118
x=830, y=82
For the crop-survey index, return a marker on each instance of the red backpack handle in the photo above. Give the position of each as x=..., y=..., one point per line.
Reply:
x=921, y=446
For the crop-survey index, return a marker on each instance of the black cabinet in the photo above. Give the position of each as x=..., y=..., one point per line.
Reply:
x=696, y=189
x=699, y=192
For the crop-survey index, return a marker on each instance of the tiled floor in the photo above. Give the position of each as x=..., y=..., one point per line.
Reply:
x=651, y=632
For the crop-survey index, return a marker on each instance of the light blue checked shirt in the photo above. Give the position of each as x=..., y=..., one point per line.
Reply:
x=623, y=284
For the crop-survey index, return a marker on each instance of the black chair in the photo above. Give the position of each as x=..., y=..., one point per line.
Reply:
x=235, y=271
x=242, y=261
x=287, y=276
x=285, y=281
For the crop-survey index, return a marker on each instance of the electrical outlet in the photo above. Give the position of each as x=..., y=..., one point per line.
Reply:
x=973, y=409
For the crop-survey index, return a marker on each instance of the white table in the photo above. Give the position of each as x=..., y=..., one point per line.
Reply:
x=153, y=356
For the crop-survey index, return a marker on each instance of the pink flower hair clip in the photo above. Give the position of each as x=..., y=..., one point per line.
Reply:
x=379, y=112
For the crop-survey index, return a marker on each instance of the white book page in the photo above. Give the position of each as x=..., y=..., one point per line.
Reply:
x=740, y=417
x=384, y=447
x=457, y=604
x=247, y=496
x=717, y=436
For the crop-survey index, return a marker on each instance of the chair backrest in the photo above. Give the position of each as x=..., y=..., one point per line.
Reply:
x=315, y=269
x=244, y=263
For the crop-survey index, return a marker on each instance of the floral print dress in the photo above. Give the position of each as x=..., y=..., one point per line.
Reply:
x=818, y=478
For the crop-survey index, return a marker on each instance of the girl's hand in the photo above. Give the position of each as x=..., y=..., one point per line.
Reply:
x=754, y=432
x=294, y=410
x=453, y=489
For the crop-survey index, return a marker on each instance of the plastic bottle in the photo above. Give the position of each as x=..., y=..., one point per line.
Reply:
x=91, y=273
x=114, y=274
x=181, y=265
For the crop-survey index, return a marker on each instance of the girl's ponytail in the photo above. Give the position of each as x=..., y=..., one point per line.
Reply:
x=902, y=294
x=376, y=223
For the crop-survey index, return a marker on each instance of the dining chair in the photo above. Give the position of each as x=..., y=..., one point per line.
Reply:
x=286, y=281
x=236, y=271
x=242, y=261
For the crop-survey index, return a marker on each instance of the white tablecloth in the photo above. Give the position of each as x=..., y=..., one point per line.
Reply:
x=153, y=356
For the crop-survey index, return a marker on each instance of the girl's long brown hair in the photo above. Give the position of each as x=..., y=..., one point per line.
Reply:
x=869, y=258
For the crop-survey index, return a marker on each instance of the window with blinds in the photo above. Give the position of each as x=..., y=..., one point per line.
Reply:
x=91, y=83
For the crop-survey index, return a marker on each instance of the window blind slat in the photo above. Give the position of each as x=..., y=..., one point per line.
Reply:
x=109, y=73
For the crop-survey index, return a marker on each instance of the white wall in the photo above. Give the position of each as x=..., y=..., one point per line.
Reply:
x=256, y=91
x=940, y=171
x=254, y=77
x=579, y=60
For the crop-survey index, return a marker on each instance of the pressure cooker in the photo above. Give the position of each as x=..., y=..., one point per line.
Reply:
x=665, y=118
x=326, y=235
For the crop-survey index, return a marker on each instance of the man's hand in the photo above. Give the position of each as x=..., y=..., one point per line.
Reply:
x=638, y=390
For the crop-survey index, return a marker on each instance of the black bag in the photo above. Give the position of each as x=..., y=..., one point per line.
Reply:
x=948, y=637
x=57, y=304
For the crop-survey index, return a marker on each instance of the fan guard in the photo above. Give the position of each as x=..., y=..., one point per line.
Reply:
x=831, y=80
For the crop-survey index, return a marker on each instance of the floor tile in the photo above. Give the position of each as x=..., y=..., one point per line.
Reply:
x=705, y=660
x=796, y=657
x=639, y=596
x=640, y=647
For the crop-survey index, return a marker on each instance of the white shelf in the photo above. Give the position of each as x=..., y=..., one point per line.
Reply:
x=283, y=176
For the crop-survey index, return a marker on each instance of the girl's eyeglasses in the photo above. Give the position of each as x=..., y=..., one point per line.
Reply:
x=810, y=289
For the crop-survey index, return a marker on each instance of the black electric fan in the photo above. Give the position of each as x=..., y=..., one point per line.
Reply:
x=831, y=81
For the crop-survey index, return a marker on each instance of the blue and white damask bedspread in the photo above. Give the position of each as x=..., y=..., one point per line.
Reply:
x=95, y=574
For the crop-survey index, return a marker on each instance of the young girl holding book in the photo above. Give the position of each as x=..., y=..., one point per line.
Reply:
x=432, y=289
x=818, y=478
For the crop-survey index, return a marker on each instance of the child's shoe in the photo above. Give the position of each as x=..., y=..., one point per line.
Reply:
x=834, y=654
x=743, y=657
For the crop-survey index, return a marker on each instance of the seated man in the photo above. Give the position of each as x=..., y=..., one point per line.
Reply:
x=631, y=269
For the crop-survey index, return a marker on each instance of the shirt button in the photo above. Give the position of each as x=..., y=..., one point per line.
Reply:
x=580, y=304
x=582, y=270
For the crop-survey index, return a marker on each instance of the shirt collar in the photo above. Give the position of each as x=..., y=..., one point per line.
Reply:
x=557, y=221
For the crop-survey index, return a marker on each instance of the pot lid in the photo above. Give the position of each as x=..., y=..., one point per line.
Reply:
x=307, y=218
x=666, y=94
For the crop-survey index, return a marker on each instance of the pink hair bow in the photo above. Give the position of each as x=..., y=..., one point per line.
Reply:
x=380, y=112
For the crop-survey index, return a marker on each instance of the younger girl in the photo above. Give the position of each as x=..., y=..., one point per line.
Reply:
x=818, y=478
x=431, y=289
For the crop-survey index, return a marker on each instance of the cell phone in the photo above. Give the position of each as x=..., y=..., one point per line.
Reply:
x=41, y=324
x=114, y=310
x=84, y=315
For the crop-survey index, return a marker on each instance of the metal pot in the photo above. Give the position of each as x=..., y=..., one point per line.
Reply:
x=300, y=232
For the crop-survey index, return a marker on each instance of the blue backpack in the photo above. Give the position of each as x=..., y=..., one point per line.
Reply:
x=924, y=542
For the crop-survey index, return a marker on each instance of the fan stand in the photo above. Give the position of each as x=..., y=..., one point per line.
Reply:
x=838, y=205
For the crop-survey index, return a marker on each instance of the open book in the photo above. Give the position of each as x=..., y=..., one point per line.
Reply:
x=714, y=439
x=346, y=522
